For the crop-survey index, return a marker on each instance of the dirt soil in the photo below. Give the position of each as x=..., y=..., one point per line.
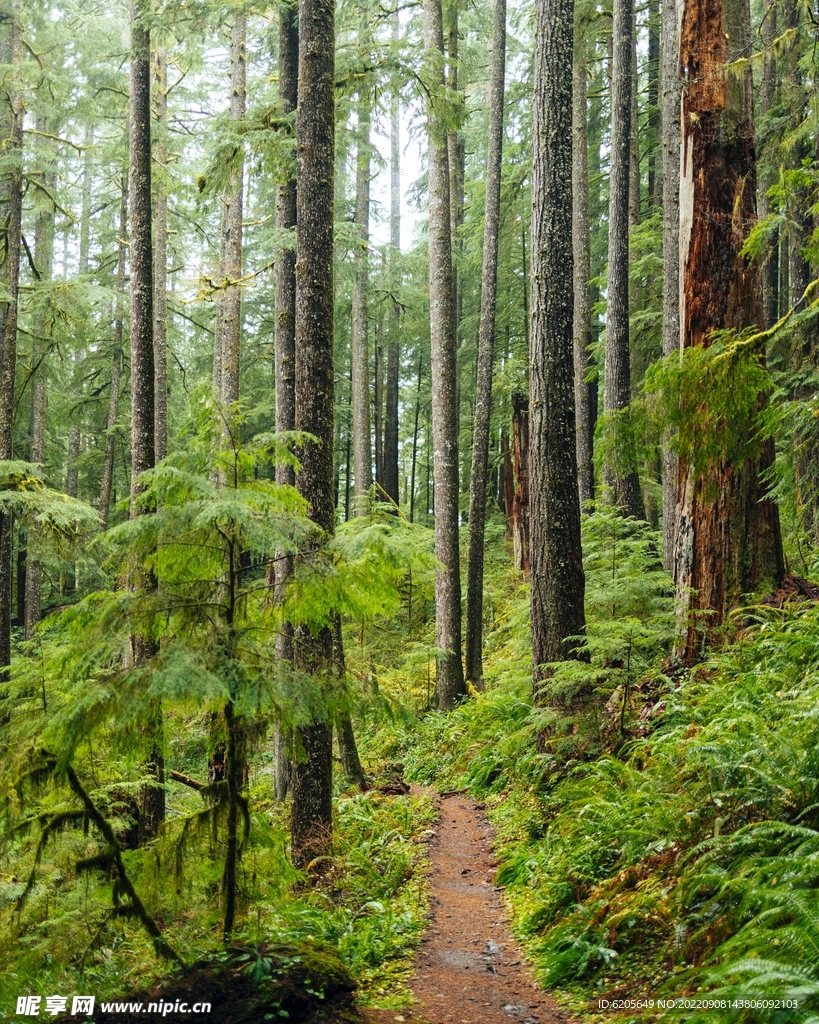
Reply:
x=469, y=969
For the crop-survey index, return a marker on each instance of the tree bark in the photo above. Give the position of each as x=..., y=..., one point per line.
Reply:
x=142, y=377
x=415, y=438
x=557, y=579
x=456, y=155
x=311, y=812
x=106, y=486
x=727, y=541
x=359, y=342
x=634, y=142
x=581, y=248
x=229, y=315
x=671, y=247
x=29, y=613
x=285, y=356
x=770, y=267
x=11, y=204
x=390, y=452
x=486, y=346
x=621, y=478
x=347, y=747
x=655, y=176
x=161, y=263
x=519, y=519
x=450, y=685
x=85, y=214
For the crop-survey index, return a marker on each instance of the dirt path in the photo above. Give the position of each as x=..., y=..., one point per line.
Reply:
x=469, y=969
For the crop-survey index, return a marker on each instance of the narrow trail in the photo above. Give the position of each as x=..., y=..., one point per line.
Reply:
x=469, y=969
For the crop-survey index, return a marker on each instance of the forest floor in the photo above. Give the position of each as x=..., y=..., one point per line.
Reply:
x=469, y=970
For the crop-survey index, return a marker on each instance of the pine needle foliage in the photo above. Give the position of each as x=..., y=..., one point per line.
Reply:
x=217, y=521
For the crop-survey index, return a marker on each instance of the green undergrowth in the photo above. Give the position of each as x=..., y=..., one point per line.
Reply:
x=370, y=904
x=681, y=856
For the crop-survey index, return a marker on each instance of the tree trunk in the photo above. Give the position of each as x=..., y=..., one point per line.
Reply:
x=634, y=142
x=142, y=378
x=557, y=580
x=378, y=394
x=11, y=205
x=770, y=268
x=85, y=213
x=311, y=814
x=727, y=541
x=116, y=363
x=519, y=519
x=449, y=675
x=29, y=613
x=390, y=451
x=161, y=263
x=415, y=438
x=620, y=475
x=285, y=356
x=229, y=316
x=581, y=248
x=655, y=179
x=347, y=748
x=486, y=345
x=671, y=247
x=456, y=155
x=359, y=342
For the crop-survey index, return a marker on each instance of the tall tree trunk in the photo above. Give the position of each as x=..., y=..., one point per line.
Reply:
x=347, y=748
x=770, y=268
x=456, y=154
x=634, y=141
x=229, y=316
x=142, y=378
x=106, y=486
x=449, y=677
x=415, y=438
x=311, y=812
x=378, y=393
x=655, y=177
x=359, y=342
x=390, y=451
x=727, y=540
x=161, y=263
x=621, y=478
x=43, y=259
x=671, y=247
x=285, y=356
x=519, y=518
x=486, y=345
x=85, y=213
x=557, y=580
x=11, y=204
x=581, y=248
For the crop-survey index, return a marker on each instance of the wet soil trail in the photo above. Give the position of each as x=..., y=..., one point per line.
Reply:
x=469, y=969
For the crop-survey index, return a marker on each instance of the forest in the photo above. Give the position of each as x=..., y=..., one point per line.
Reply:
x=409, y=496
